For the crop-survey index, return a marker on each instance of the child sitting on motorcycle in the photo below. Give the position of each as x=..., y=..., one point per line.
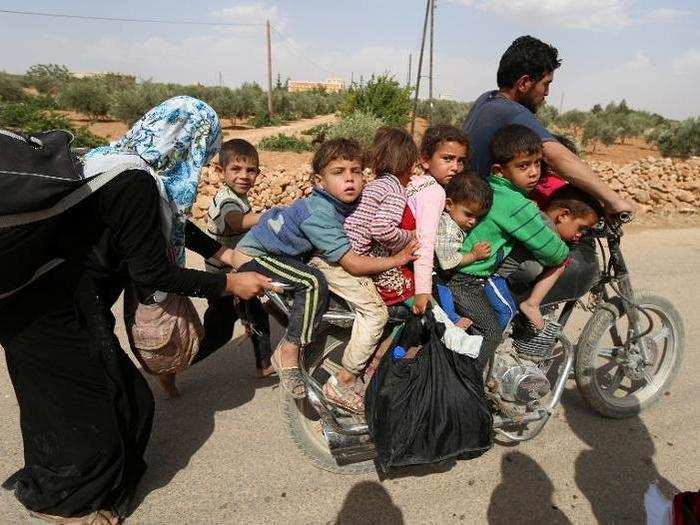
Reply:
x=443, y=154
x=382, y=224
x=516, y=152
x=469, y=198
x=570, y=212
x=286, y=238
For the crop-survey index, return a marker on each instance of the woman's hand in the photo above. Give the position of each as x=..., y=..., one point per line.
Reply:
x=247, y=285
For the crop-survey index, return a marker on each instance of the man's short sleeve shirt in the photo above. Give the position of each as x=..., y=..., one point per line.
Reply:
x=491, y=112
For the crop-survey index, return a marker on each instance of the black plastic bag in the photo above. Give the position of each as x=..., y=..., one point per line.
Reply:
x=430, y=408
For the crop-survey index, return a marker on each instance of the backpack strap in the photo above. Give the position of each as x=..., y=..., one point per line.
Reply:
x=41, y=271
x=67, y=202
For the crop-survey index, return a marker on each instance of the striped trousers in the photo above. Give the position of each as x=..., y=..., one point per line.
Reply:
x=310, y=293
x=471, y=302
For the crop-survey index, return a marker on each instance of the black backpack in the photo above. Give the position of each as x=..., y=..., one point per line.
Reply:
x=40, y=178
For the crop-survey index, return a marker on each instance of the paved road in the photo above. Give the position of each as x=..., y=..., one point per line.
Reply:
x=221, y=455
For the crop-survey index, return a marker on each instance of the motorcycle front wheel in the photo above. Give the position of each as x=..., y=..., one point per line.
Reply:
x=615, y=387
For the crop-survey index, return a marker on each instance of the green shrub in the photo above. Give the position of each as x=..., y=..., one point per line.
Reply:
x=317, y=130
x=11, y=89
x=680, y=139
x=618, y=120
x=282, y=142
x=359, y=126
x=88, y=96
x=48, y=78
x=262, y=120
x=131, y=104
x=598, y=129
x=547, y=115
x=31, y=119
x=382, y=97
x=444, y=111
x=573, y=119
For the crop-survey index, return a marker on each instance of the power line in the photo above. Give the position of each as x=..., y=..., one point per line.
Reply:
x=286, y=41
x=140, y=20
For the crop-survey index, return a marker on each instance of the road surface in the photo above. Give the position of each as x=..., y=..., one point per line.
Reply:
x=220, y=454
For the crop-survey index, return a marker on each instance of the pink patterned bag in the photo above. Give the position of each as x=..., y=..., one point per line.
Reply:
x=164, y=336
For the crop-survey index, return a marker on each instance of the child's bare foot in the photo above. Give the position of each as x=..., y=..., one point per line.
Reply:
x=464, y=323
x=167, y=383
x=532, y=312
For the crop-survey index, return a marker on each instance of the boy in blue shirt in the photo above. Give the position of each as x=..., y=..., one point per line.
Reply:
x=287, y=237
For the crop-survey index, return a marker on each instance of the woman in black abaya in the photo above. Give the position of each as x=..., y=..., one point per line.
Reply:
x=85, y=410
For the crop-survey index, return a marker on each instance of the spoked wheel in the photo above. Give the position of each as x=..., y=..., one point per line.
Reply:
x=617, y=383
x=302, y=420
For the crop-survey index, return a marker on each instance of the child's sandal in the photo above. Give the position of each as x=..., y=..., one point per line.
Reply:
x=291, y=378
x=344, y=397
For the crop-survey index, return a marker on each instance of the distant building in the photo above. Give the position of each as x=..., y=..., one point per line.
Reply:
x=97, y=74
x=331, y=85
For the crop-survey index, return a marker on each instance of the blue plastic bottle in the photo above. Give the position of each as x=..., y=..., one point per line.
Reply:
x=398, y=353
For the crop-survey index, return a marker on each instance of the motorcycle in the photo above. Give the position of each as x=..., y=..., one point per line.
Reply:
x=626, y=357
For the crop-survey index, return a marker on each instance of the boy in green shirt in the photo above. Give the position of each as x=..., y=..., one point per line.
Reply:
x=514, y=219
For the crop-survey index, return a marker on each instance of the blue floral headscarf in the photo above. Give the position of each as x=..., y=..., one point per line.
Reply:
x=174, y=141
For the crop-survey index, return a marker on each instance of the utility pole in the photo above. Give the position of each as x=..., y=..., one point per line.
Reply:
x=408, y=79
x=352, y=77
x=221, y=79
x=561, y=102
x=430, y=86
x=269, y=71
x=420, y=65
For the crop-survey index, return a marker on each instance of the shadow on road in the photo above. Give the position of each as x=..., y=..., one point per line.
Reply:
x=524, y=494
x=415, y=471
x=368, y=502
x=612, y=474
x=619, y=466
x=182, y=426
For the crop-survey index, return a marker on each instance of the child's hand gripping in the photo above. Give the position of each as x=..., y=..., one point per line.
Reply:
x=481, y=250
x=408, y=254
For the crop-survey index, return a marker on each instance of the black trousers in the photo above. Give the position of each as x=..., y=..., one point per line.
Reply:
x=310, y=293
x=522, y=270
x=219, y=319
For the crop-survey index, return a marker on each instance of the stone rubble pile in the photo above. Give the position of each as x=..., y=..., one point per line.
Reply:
x=657, y=185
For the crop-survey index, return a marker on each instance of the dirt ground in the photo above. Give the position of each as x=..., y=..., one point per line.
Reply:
x=632, y=150
x=221, y=453
x=114, y=129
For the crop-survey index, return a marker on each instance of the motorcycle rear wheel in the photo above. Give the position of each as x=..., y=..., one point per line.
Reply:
x=600, y=378
x=302, y=420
